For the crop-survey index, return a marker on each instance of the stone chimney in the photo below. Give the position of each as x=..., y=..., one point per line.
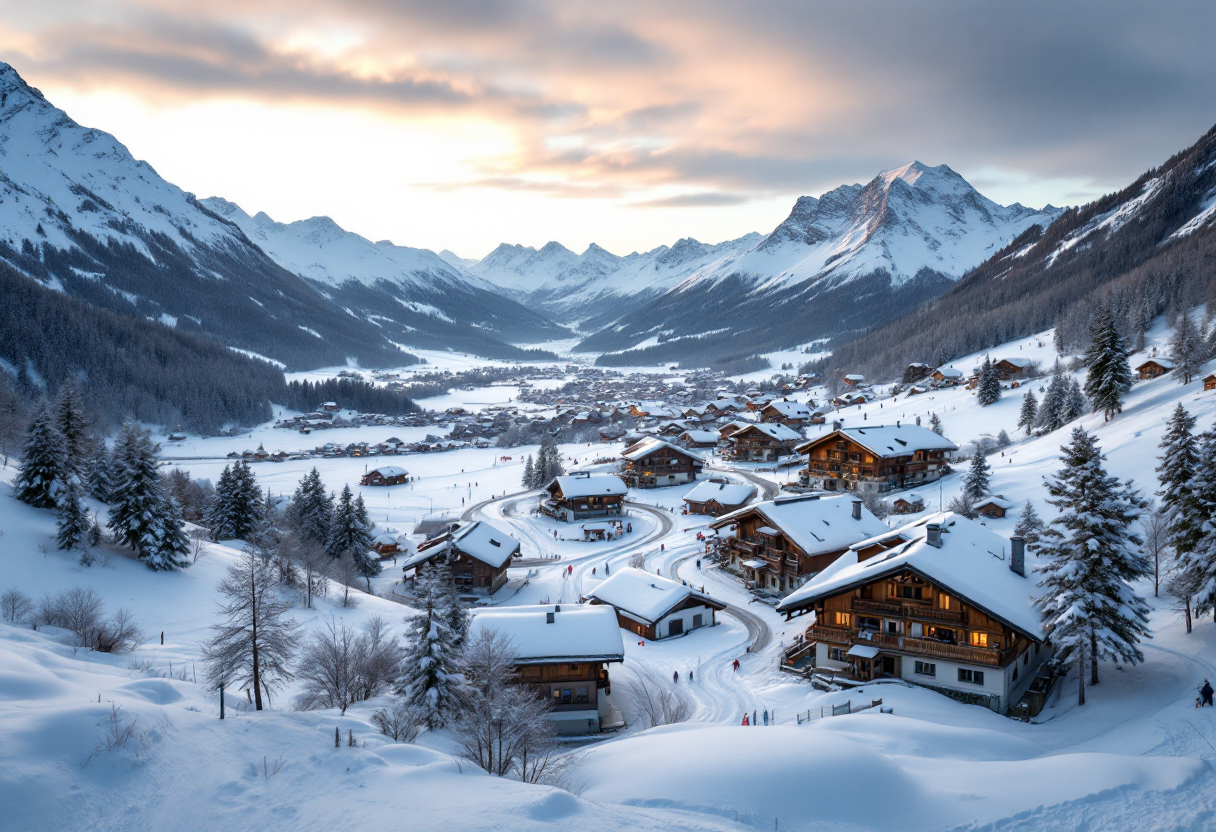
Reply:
x=934, y=535
x=1017, y=555
x=856, y=509
x=835, y=425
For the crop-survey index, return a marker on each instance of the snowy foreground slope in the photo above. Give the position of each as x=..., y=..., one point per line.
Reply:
x=1138, y=756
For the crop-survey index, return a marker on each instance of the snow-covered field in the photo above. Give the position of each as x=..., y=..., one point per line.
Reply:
x=1136, y=756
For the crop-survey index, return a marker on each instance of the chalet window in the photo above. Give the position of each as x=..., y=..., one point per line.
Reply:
x=865, y=622
x=943, y=635
x=572, y=668
x=915, y=593
x=844, y=619
x=974, y=677
x=580, y=695
x=916, y=629
x=979, y=639
x=895, y=628
x=837, y=654
x=926, y=669
x=567, y=696
x=943, y=601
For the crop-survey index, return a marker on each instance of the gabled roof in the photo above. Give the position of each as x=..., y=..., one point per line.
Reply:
x=888, y=440
x=726, y=493
x=774, y=430
x=1016, y=362
x=387, y=471
x=646, y=597
x=995, y=500
x=817, y=524
x=700, y=436
x=1161, y=362
x=488, y=544
x=578, y=633
x=574, y=486
x=790, y=410
x=949, y=372
x=972, y=564
x=651, y=444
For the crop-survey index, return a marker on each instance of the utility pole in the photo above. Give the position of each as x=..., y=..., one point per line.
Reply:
x=221, y=700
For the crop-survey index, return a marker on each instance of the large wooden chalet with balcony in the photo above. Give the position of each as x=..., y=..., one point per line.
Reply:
x=778, y=545
x=563, y=652
x=879, y=458
x=477, y=553
x=794, y=415
x=583, y=495
x=943, y=602
x=764, y=442
x=655, y=462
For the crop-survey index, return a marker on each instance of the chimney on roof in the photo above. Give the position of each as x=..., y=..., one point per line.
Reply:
x=548, y=618
x=856, y=509
x=896, y=423
x=934, y=535
x=835, y=425
x=557, y=608
x=1017, y=555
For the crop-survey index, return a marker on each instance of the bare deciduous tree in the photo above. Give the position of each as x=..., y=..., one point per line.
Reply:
x=400, y=722
x=1156, y=540
x=654, y=703
x=340, y=666
x=257, y=640
x=16, y=606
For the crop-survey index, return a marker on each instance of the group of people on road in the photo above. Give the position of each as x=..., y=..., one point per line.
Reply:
x=754, y=721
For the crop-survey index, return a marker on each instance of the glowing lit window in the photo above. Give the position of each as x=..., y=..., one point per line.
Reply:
x=844, y=619
x=943, y=601
x=979, y=639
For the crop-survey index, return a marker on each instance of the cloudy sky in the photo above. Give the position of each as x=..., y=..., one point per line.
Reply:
x=463, y=123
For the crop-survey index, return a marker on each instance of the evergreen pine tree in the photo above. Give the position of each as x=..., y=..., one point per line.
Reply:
x=68, y=413
x=1179, y=460
x=529, y=480
x=219, y=511
x=1188, y=348
x=935, y=424
x=1075, y=404
x=72, y=526
x=1091, y=557
x=430, y=679
x=247, y=507
x=976, y=484
x=1198, y=561
x=454, y=614
x=1055, y=402
x=143, y=515
x=1029, y=412
x=1109, y=375
x=43, y=467
x=988, y=390
x=1030, y=526
x=311, y=509
x=97, y=479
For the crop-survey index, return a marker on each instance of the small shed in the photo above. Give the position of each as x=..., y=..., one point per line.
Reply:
x=1154, y=368
x=995, y=506
x=1209, y=381
x=385, y=545
x=655, y=607
x=909, y=503
x=717, y=497
x=386, y=475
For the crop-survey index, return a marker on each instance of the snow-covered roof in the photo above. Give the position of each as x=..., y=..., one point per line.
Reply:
x=855, y=377
x=816, y=523
x=573, y=487
x=1162, y=362
x=1017, y=362
x=910, y=497
x=775, y=430
x=643, y=596
x=489, y=544
x=653, y=443
x=700, y=436
x=387, y=471
x=726, y=493
x=995, y=500
x=384, y=539
x=949, y=372
x=790, y=410
x=578, y=633
x=890, y=440
x=972, y=563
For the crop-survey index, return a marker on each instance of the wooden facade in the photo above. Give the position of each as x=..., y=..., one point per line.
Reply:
x=664, y=465
x=569, y=508
x=385, y=476
x=1153, y=368
x=838, y=462
x=1209, y=381
x=768, y=556
x=753, y=444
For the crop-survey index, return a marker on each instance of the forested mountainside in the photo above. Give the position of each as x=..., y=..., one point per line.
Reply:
x=79, y=214
x=1148, y=249
x=843, y=262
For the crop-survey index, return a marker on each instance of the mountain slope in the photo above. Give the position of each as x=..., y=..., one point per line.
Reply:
x=80, y=214
x=854, y=256
x=1145, y=250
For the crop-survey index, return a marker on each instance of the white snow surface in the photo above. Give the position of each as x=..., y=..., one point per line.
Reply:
x=897, y=440
x=816, y=523
x=728, y=493
x=593, y=485
x=642, y=595
x=578, y=632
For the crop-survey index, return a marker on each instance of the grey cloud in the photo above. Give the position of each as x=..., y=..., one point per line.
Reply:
x=709, y=199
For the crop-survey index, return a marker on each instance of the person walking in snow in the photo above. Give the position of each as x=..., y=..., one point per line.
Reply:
x=745, y=719
x=766, y=716
x=736, y=665
x=1206, y=692
x=754, y=720
x=675, y=677
x=690, y=677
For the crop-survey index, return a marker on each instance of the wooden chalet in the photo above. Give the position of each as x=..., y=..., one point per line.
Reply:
x=563, y=653
x=761, y=442
x=947, y=376
x=654, y=463
x=699, y=439
x=909, y=503
x=1209, y=381
x=1154, y=368
x=654, y=607
x=878, y=458
x=778, y=545
x=717, y=497
x=943, y=602
x=583, y=496
x=723, y=407
x=995, y=506
x=1010, y=368
x=916, y=371
x=385, y=545
x=386, y=475
x=854, y=379
x=794, y=415
x=477, y=553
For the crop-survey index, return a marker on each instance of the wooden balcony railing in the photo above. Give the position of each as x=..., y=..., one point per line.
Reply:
x=906, y=644
x=832, y=635
x=909, y=610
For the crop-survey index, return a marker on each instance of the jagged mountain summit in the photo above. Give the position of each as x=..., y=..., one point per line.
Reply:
x=843, y=261
x=80, y=214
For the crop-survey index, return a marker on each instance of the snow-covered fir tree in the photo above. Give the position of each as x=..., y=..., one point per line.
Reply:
x=73, y=426
x=350, y=534
x=73, y=523
x=431, y=679
x=43, y=466
x=976, y=483
x=529, y=480
x=935, y=424
x=142, y=514
x=1030, y=526
x=97, y=478
x=1109, y=374
x=548, y=462
x=311, y=509
x=1188, y=348
x=988, y=391
x=1090, y=555
x=1199, y=561
x=1075, y=404
x=1029, y=412
x=1179, y=458
x=456, y=616
x=1055, y=402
